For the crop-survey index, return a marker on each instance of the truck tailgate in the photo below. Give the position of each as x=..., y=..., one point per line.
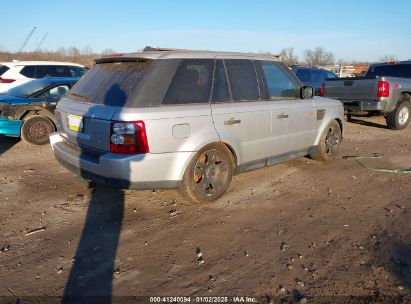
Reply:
x=351, y=89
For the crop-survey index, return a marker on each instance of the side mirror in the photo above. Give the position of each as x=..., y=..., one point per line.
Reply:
x=307, y=92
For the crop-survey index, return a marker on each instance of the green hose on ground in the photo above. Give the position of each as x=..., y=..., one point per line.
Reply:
x=376, y=156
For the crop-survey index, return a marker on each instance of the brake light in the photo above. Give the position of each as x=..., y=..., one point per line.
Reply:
x=128, y=137
x=112, y=55
x=383, y=89
x=5, y=80
x=322, y=91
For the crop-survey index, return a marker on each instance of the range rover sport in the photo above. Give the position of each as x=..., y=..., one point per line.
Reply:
x=190, y=120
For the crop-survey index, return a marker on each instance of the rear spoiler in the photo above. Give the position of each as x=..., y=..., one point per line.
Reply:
x=121, y=58
x=158, y=49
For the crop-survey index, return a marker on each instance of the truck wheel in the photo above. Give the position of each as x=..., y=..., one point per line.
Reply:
x=208, y=174
x=36, y=130
x=329, y=145
x=400, y=117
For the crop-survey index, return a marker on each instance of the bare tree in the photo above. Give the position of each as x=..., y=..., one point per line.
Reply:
x=73, y=51
x=288, y=56
x=387, y=58
x=62, y=51
x=87, y=50
x=108, y=51
x=318, y=57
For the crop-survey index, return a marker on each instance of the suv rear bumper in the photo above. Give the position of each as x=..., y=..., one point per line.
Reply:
x=141, y=171
x=364, y=105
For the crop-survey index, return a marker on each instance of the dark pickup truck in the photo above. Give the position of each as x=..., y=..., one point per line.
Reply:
x=384, y=89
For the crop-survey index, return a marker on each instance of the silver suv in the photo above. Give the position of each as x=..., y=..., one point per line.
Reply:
x=190, y=120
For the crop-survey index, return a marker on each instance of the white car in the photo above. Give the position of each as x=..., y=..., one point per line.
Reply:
x=16, y=72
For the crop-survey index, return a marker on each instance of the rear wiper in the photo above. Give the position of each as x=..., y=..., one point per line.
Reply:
x=80, y=95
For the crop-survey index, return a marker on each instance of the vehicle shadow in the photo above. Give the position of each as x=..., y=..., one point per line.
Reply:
x=91, y=276
x=367, y=123
x=93, y=264
x=7, y=142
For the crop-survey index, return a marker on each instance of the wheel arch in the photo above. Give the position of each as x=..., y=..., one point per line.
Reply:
x=227, y=145
x=340, y=122
x=233, y=153
x=405, y=96
x=40, y=112
x=324, y=125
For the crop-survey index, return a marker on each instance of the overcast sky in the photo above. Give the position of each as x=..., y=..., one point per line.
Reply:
x=351, y=29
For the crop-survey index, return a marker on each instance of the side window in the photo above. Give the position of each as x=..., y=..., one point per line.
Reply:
x=55, y=92
x=331, y=75
x=243, y=79
x=28, y=71
x=220, y=90
x=191, y=83
x=77, y=71
x=3, y=69
x=280, y=84
x=52, y=71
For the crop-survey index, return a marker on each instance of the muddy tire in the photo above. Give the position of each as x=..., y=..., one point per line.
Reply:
x=330, y=143
x=36, y=130
x=208, y=174
x=400, y=117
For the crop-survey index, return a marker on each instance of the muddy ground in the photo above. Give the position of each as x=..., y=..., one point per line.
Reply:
x=303, y=229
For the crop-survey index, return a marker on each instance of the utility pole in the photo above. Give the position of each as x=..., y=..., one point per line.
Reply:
x=26, y=40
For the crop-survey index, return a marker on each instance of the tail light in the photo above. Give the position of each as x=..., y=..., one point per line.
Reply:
x=322, y=91
x=5, y=80
x=383, y=89
x=128, y=137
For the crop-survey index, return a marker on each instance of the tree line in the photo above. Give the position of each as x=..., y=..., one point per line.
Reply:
x=320, y=57
x=311, y=57
x=84, y=56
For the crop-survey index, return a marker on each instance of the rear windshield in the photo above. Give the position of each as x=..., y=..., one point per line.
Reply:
x=3, y=69
x=394, y=70
x=111, y=83
x=126, y=83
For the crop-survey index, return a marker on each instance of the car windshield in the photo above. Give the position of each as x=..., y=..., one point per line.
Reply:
x=29, y=88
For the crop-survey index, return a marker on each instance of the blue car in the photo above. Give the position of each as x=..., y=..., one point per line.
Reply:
x=27, y=111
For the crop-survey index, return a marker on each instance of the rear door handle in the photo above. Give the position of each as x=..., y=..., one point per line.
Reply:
x=281, y=116
x=232, y=121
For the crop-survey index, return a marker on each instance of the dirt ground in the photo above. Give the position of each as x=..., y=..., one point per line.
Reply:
x=304, y=230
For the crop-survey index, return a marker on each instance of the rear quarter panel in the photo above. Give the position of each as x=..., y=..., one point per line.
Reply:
x=181, y=128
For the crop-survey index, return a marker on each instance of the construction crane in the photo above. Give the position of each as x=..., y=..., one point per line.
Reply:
x=41, y=41
x=26, y=40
